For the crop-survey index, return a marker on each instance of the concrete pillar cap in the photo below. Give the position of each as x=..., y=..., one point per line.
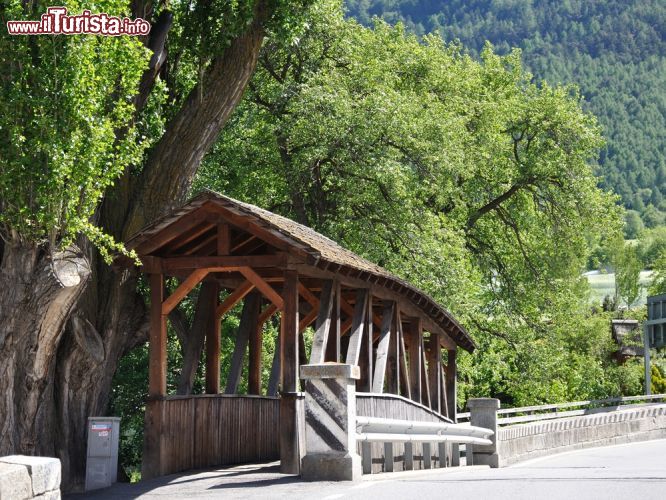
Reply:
x=483, y=403
x=330, y=370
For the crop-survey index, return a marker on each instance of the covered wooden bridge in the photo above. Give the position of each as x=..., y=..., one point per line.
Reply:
x=403, y=341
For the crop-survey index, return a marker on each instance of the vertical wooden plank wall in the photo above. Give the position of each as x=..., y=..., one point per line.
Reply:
x=207, y=431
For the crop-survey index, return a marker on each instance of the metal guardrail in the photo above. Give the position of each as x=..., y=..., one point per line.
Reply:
x=552, y=411
x=374, y=429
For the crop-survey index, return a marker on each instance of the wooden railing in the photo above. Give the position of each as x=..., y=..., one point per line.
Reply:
x=508, y=416
x=210, y=430
x=369, y=404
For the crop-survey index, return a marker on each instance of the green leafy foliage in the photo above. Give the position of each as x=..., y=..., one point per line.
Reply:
x=63, y=101
x=463, y=176
x=627, y=272
x=658, y=380
x=613, y=50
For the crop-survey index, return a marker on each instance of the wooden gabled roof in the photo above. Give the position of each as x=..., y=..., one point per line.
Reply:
x=193, y=227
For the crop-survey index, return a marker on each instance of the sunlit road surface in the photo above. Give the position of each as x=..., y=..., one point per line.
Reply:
x=631, y=471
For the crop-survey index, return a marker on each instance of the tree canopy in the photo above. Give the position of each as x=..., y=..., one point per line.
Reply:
x=63, y=102
x=613, y=50
x=463, y=176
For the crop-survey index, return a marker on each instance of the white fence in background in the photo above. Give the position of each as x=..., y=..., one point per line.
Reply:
x=510, y=416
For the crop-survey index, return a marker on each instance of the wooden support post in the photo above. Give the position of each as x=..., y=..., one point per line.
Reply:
x=388, y=457
x=302, y=354
x=442, y=452
x=427, y=400
x=427, y=456
x=290, y=459
x=451, y=375
x=392, y=362
x=405, y=388
x=333, y=344
x=152, y=444
x=320, y=340
x=158, y=339
x=358, y=324
x=336, y=323
x=369, y=327
x=383, y=347
x=247, y=326
x=445, y=400
x=434, y=355
x=409, y=456
x=274, y=377
x=413, y=339
x=212, y=344
x=254, y=369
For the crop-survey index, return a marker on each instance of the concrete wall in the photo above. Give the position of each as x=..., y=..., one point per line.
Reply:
x=532, y=440
x=23, y=477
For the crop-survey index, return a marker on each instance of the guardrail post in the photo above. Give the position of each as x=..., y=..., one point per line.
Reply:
x=483, y=413
x=330, y=422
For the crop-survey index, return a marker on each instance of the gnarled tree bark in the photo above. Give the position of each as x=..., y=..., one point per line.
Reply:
x=38, y=291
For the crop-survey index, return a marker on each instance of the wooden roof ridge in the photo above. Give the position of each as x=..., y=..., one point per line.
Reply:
x=323, y=253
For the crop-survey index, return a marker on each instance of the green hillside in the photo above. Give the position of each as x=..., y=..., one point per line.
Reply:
x=614, y=51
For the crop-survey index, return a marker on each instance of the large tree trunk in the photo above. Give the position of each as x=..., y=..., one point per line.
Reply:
x=37, y=294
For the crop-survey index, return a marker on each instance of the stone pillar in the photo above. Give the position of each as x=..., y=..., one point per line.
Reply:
x=330, y=422
x=483, y=413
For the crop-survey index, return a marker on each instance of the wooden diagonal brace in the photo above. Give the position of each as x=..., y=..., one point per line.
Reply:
x=320, y=340
x=358, y=323
x=183, y=289
x=233, y=299
x=261, y=285
x=383, y=347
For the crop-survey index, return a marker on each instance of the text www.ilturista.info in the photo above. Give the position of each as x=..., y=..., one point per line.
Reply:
x=56, y=22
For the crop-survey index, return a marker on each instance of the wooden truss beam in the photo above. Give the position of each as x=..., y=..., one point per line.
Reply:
x=383, y=347
x=414, y=334
x=320, y=340
x=266, y=314
x=214, y=263
x=403, y=377
x=381, y=292
x=357, y=327
x=434, y=372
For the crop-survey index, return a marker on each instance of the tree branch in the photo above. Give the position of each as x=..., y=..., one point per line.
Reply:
x=493, y=204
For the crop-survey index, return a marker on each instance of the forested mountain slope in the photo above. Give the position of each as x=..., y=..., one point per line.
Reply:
x=615, y=51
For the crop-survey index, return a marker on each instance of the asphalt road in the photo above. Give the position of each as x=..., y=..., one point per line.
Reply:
x=630, y=471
